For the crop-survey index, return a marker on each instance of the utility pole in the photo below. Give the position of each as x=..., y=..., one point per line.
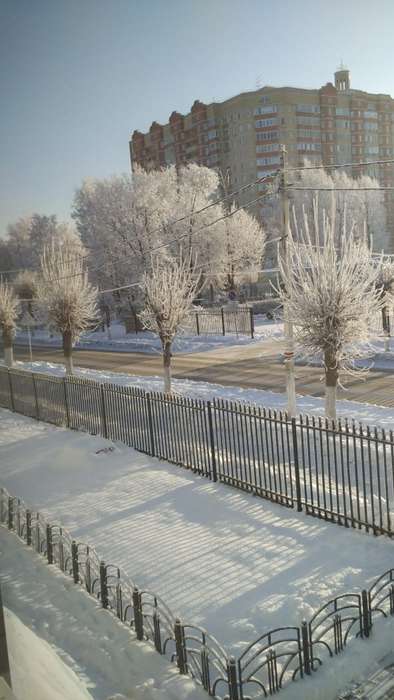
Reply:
x=288, y=324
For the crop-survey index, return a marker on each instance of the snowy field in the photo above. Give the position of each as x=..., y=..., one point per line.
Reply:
x=233, y=563
x=367, y=413
x=148, y=342
x=61, y=643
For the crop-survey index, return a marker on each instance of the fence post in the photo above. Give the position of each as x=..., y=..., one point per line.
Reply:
x=103, y=413
x=251, y=322
x=49, y=544
x=2, y=513
x=223, y=324
x=366, y=614
x=306, y=648
x=74, y=561
x=197, y=324
x=138, y=619
x=296, y=464
x=35, y=396
x=232, y=679
x=4, y=659
x=212, y=443
x=181, y=658
x=10, y=512
x=150, y=423
x=11, y=391
x=65, y=402
x=28, y=528
x=103, y=585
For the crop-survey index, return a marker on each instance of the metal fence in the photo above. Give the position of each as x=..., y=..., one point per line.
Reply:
x=221, y=321
x=342, y=472
x=265, y=666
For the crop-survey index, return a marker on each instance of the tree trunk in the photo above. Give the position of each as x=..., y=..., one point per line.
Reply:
x=331, y=370
x=167, y=367
x=67, y=351
x=8, y=350
x=386, y=328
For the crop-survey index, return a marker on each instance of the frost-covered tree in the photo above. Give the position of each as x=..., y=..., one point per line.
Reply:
x=65, y=296
x=353, y=195
x=26, y=287
x=329, y=286
x=169, y=288
x=9, y=309
x=242, y=250
x=27, y=237
x=385, y=284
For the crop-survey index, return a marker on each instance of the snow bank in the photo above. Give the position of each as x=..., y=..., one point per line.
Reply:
x=233, y=563
x=147, y=342
x=37, y=671
x=364, y=412
x=63, y=646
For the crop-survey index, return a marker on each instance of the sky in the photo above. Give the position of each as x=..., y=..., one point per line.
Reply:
x=78, y=76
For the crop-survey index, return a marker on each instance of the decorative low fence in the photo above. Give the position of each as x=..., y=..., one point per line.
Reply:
x=221, y=321
x=342, y=472
x=267, y=665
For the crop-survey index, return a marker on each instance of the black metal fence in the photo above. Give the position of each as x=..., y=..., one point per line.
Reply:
x=221, y=321
x=265, y=666
x=342, y=472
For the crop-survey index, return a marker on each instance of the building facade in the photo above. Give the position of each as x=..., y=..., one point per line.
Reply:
x=335, y=124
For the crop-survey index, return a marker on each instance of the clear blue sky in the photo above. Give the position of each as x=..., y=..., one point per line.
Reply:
x=77, y=76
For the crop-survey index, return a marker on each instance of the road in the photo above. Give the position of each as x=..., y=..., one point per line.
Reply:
x=255, y=366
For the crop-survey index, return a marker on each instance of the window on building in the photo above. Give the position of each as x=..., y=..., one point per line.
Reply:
x=267, y=136
x=312, y=109
x=260, y=123
x=308, y=146
x=308, y=121
x=342, y=111
x=268, y=109
x=270, y=160
x=267, y=147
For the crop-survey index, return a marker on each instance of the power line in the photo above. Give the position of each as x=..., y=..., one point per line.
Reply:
x=341, y=189
x=341, y=165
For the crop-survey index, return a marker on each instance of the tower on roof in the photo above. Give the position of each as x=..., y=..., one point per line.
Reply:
x=342, y=78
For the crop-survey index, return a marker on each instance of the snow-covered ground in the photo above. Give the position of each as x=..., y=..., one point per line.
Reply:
x=63, y=646
x=367, y=413
x=149, y=343
x=233, y=563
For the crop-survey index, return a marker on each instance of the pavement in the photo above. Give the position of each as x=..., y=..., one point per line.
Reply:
x=257, y=366
x=379, y=685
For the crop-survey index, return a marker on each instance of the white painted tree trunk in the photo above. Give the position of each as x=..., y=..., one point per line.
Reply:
x=9, y=356
x=109, y=335
x=386, y=343
x=68, y=361
x=289, y=367
x=330, y=402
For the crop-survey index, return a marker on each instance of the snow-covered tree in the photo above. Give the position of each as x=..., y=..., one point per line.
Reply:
x=65, y=296
x=361, y=206
x=242, y=250
x=26, y=287
x=9, y=309
x=385, y=284
x=27, y=237
x=329, y=286
x=169, y=288
x=123, y=218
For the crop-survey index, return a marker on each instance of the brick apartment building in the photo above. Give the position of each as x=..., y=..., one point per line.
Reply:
x=242, y=135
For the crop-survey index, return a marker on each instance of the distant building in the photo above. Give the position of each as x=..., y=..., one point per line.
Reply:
x=332, y=125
